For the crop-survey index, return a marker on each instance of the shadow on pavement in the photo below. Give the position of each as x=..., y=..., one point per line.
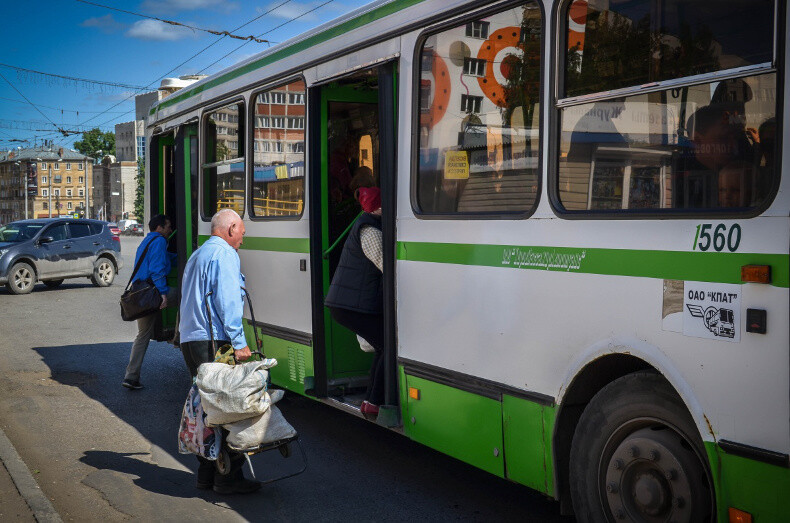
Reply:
x=356, y=470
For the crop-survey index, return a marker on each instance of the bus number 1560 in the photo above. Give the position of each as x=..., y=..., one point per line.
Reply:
x=718, y=238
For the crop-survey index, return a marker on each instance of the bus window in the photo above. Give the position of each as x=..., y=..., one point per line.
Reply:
x=478, y=116
x=223, y=170
x=278, y=176
x=612, y=45
x=695, y=145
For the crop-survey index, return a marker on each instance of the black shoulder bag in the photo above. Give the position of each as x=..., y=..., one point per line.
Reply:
x=141, y=297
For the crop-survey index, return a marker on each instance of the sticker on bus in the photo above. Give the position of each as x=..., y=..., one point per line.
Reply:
x=712, y=310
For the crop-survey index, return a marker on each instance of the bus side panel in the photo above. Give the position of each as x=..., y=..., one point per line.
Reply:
x=463, y=425
x=758, y=488
x=294, y=361
x=528, y=430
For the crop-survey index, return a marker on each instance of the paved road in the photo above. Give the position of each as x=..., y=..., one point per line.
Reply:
x=101, y=452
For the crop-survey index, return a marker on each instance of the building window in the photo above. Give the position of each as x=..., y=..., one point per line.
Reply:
x=471, y=104
x=44, y=192
x=477, y=30
x=295, y=123
x=278, y=98
x=56, y=192
x=81, y=192
x=81, y=179
x=479, y=162
x=474, y=67
x=56, y=166
x=296, y=98
x=45, y=205
x=68, y=166
x=68, y=178
x=43, y=179
x=57, y=178
x=68, y=193
x=68, y=205
x=44, y=166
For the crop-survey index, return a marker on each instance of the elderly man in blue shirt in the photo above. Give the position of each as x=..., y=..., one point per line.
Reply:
x=156, y=266
x=213, y=275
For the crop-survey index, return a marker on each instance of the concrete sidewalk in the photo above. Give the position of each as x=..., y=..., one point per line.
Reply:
x=21, y=499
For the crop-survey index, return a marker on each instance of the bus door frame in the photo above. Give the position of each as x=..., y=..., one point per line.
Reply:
x=186, y=237
x=387, y=114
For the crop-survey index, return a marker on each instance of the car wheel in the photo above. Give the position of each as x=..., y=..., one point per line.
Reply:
x=21, y=279
x=53, y=283
x=637, y=456
x=103, y=272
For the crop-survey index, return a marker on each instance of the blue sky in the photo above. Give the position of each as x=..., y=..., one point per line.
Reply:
x=72, y=38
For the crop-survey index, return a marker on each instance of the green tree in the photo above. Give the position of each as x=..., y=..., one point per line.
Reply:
x=96, y=144
x=139, y=194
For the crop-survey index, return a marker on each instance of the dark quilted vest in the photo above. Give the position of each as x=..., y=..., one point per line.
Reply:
x=356, y=284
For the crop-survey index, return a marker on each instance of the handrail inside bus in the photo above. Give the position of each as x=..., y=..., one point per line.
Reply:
x=331, y=248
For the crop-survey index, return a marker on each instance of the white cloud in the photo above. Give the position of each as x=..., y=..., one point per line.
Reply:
x=155, y=30
x=105, y=24
x=292, y=10
x=175, y=6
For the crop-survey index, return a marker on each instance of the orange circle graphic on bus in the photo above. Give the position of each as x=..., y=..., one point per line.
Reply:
x=498, y=60
x=441, y=91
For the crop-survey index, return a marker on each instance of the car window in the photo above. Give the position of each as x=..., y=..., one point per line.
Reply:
x=79, y=230
x=57, y=232
x=95, y=228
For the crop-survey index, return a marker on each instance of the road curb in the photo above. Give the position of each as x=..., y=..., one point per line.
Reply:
x=42, y=509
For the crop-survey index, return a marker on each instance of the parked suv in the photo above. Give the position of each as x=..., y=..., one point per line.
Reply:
x=52, y=249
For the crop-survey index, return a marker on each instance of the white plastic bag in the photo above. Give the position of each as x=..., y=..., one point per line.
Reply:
x=254, y=432
x=364, y=345
x=231, y=393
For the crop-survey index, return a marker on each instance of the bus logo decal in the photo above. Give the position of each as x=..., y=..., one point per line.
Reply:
x=718, y=321
x=712, y=311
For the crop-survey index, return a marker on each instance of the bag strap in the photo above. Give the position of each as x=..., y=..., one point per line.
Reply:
x=140, y=262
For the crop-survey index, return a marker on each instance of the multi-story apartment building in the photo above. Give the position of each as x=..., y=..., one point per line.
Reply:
x=114, y=189
x=44, y=181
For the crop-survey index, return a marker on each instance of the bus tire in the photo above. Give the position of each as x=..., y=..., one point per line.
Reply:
x=636, y=455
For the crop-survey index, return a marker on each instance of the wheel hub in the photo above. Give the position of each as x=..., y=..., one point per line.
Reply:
x=646, y=479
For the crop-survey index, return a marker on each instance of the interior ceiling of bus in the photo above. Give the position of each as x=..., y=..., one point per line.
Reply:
x=362, y=80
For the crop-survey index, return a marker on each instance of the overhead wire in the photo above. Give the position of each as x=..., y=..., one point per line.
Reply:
x=181, y=24
x=183, y=63
x=62, y=131
x=267, y=32
x=72, y=78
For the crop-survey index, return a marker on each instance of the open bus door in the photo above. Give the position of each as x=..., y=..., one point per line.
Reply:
x=173, y=177
x=355, y=129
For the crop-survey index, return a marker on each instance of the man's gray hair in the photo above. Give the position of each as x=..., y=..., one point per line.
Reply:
x=223, y=219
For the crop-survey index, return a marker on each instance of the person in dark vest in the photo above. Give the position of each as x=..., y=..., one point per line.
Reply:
x=355, y=294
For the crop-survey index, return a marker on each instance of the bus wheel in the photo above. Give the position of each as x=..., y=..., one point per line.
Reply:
x=637, y=456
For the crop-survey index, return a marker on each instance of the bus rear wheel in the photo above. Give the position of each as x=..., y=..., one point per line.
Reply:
x=637, y=456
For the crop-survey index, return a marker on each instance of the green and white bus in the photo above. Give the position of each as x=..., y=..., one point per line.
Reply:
x=585, y=225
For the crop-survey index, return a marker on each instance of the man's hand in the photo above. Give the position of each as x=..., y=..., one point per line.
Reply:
x=243, y=354
x=164, y=302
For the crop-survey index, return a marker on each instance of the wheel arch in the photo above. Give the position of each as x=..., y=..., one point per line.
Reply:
x=25, y=258
x=110, y=256
x=598, y=366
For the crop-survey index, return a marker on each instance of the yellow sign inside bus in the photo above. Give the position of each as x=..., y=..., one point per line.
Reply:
x=456, y=165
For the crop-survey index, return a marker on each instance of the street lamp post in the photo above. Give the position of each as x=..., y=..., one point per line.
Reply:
x=49, y=192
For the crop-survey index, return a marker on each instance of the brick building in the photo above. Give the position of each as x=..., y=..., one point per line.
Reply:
x=59, y=183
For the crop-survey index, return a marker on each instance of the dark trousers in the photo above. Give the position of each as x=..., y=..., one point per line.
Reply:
x=195, y=353
x=370, y=327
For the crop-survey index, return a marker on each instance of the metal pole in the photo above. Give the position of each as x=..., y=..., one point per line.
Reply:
x=87, y=200
x=25, y=183
x=49, y=193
